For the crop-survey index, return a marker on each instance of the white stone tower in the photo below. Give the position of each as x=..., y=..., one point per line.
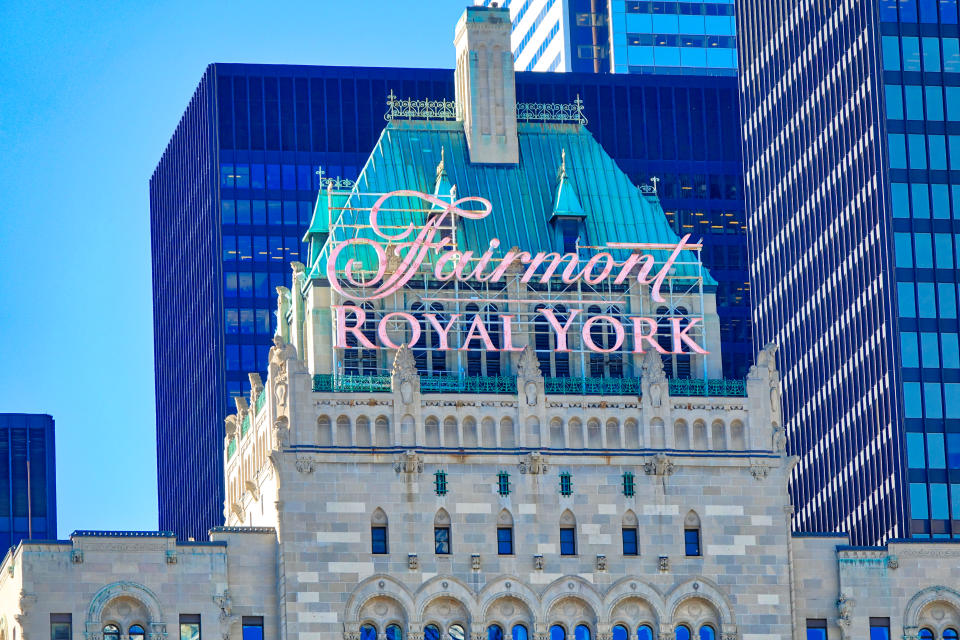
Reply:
x=486, y=93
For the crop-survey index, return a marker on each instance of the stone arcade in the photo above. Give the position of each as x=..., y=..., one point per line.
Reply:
x=527, y=494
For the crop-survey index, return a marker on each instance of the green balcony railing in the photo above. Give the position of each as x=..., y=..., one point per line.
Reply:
x=231, y=448
x=553, y=386
x=710, y=388
x=593, y=386
x=473, y=384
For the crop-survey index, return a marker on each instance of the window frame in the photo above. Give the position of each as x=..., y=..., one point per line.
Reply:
x=503, y=483
x=187, y=619
x=437, y=529
x=251, y=622
x=686, y=542
x=509, y=530
x=572, y=549
x=636, y=541
x=374, y=528
x=61, y=620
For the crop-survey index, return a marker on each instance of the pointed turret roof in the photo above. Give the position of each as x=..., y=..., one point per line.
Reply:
x=566, y=202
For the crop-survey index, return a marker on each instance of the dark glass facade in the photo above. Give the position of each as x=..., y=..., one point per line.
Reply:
x=28, y=478
x=852, y=179
x=234, y=191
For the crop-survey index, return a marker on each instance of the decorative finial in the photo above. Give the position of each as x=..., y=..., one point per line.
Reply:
x=441, y=168
x=319, y=173
x=655, y=180
x=562, y=173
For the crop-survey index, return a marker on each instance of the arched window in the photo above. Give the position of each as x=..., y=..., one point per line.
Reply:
x=568, y=534
x=557, y=632
x=631, y=545
x=707, y=633
x=604, y=336
x=644, y=633
x=378, y=532
x=430, y=632
x=582, y=632
x=394, y=632
x=691, y=534
x=505, y=533
x=682, y=633
x=441, y=532
x=519, y=632
x=369, y=632
x=136, y=632
x=925, y=634
x=111, y=632
x=456, y=632
x=356, y=360
x=950, y=634
x=674, y=365
x=494, y=632
x=481, y=362
x=620, y=633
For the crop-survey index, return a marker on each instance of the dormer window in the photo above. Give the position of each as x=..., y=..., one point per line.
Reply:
x=569, y=234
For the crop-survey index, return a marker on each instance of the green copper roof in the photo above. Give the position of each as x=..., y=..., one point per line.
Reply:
x=524, y=196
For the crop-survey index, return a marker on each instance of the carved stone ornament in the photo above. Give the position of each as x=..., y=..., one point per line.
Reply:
x=779, y=440
x=538, y=562
x=475, y=561
x=281, y=432
x=658, y=465
x=225, y=604
x=601, y=562
x=893, y=562
x=408, y=462
x=305, y=464
x=663, y=564
x=413, y=561
x=729, y=636
x=533, y=463
x=404, y=377
x=351, y=635
x=653, y=379
x=759, y=470
x=528, y=368
x=171, y=556
x=76, y=556
x=845, y=606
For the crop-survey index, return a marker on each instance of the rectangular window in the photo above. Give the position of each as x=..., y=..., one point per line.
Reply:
x=817, y=629
x=440, y=483
x=629, y=484
x=934, y=102
x=930, y=350
x=189, y=626
x=891, y=53
x=252, y=627
x=916, y=453
x=932, y=401
x=906, y=300
x=909, y=356
x=378, y=536
x=630, y=547
x=505, y=541
x=568, y=541
x=60, y=626
x=894, y=102
x=918, y=501
x=441, y=540
x=691, y=542
x=566, y=484
x=931, y=54
x=503, y=483
x=879, y=628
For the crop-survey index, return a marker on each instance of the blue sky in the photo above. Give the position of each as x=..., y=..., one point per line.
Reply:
x=89, y=95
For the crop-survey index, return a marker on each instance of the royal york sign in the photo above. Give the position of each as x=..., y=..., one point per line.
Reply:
x=412, y=244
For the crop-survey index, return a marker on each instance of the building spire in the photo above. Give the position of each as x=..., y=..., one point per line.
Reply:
x=566, y=203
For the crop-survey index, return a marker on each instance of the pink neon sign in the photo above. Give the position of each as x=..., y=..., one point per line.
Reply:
x=412, y=246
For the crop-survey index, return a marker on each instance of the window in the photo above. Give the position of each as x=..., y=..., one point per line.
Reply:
x=558, y=633
x=135, y=632
x=430, y=632
x=252, y=627
x=629, y=484
x=645, y=633
x=879, y=628
x=494, y=632
x=378, y=534
x=189, y=626
x=950, y=634
x=566, y=484
x=817, y=629
x=456, y=632
x=503, y=483
x=60, y=626
x=568, y=541
x=440, y=483
x=620, y=633
x=682, y=633
x=520, y=632
x=394, y=632
x=111, y=632
x=569, y=235
x=630, y=541
x=441, y=540
x=925, y=634
x=691, y=542
x=707, y=633
x=582, y=632
x=505, y=541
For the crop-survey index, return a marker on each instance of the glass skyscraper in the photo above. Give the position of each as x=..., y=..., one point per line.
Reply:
x=28, y=478
x=695, y=37
x=852, y=163
x=233, y=193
